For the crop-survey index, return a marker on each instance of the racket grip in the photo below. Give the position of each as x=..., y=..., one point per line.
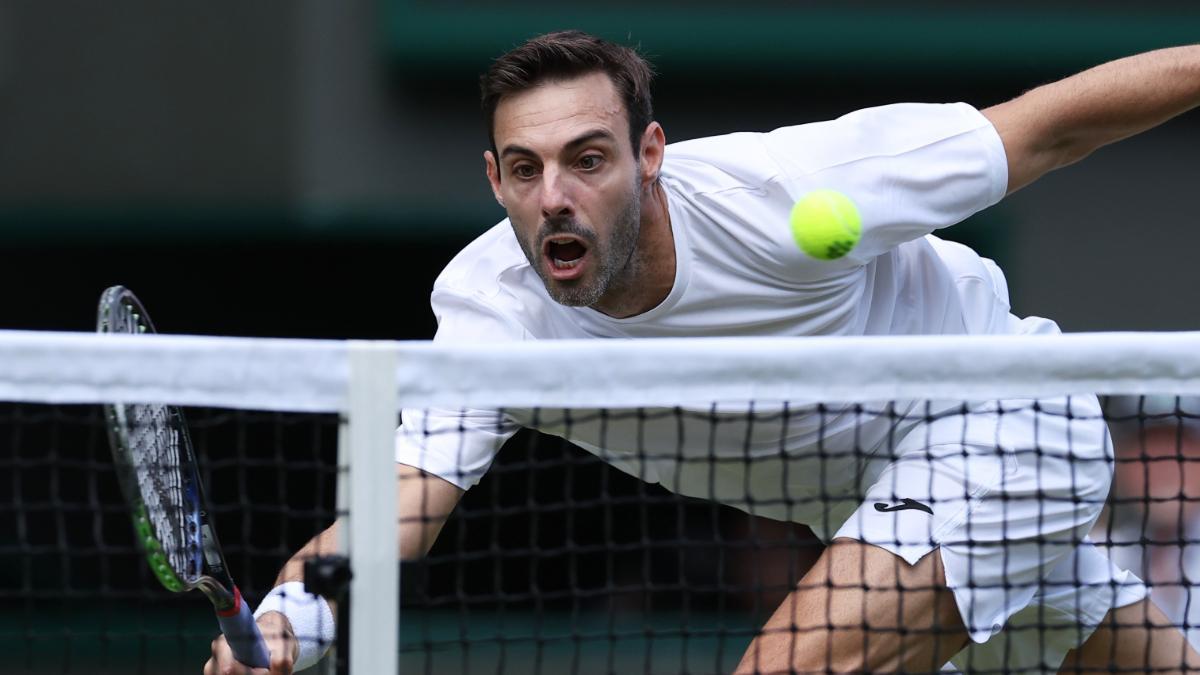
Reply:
x=242, y=634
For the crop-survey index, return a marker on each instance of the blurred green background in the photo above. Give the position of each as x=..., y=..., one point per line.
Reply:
x=278, y=151
x=306, y=167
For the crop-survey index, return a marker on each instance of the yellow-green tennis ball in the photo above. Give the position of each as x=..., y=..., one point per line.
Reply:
x=826, y=224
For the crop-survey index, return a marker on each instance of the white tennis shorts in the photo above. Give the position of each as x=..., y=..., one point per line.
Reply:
x=1007, y=496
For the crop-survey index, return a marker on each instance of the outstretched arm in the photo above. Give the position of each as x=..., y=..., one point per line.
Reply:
x=423, y=502
x=1061, y=123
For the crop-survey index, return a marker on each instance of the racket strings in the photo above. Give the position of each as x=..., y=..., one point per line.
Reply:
x=154, y=444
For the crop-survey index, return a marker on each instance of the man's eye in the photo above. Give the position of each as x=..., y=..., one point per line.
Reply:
x=524, y=171
x=589, y=162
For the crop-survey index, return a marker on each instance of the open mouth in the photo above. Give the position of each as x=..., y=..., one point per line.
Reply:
x=565, y=255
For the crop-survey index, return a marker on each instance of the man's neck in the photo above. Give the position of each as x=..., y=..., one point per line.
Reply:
x=651, y=272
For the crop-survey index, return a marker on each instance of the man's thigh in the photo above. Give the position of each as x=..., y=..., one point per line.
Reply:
x=861, y=607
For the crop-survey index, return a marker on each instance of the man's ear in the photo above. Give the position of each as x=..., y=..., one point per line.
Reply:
x=493, y=175
x=654, y=143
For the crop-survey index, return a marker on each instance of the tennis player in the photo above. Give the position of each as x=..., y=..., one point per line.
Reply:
x=950, y=538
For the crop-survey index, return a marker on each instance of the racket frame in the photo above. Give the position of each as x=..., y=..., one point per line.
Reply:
x=120, y=312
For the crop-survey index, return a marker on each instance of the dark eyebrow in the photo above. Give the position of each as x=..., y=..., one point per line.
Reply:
x=583, y=139
x=597, y=135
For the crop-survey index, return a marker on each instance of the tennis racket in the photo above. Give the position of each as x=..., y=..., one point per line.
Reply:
x=161, y=482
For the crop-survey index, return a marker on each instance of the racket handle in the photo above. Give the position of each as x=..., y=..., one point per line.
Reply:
x=242, y=634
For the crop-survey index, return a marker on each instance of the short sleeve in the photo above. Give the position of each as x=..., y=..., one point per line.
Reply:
x=910, y=168
x=457, y=445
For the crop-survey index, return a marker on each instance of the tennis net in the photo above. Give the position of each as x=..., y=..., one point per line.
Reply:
x=651, y=503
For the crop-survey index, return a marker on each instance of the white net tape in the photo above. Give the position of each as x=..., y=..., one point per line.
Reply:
x=312, y=375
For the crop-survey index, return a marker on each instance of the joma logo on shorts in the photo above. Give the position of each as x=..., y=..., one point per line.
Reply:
x=904, y=504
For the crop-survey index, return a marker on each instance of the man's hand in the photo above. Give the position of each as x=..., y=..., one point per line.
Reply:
x=281, y=644
x=423, y=502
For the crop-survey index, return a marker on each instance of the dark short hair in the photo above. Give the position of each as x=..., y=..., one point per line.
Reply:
x=564, y=55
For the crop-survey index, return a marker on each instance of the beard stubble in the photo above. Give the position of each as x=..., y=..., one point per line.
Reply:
x=615, y=263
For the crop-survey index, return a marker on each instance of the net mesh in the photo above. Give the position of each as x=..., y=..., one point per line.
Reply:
x=662, y=540
x=76, y=593
x=653, y=507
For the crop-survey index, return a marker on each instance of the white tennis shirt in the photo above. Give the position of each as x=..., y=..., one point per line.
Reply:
x=910, y=168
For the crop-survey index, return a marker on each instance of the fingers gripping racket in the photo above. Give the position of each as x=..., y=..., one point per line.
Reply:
x=161, y=482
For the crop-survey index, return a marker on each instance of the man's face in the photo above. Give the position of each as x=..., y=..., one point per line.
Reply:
x=568, y=178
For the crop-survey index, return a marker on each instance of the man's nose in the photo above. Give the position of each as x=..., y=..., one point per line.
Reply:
x=556, y=194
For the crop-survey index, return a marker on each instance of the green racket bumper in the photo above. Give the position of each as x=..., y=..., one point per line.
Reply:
x=154, y=552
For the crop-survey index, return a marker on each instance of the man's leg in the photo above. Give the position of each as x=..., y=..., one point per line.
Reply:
x=1137, y=638
x=861, y=608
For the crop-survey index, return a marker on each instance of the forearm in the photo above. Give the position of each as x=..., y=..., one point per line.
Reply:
x=1060, y=123
x=1122, y=98
x=325, y=543
x=423, y=502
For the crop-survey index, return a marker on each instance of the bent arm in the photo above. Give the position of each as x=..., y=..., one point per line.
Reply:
x=1061, y=123
x=423, y=502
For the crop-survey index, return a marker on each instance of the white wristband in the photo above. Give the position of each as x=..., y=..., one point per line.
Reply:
x=310, y=616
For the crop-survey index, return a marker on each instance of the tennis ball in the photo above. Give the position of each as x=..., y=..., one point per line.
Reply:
x=825, y=224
